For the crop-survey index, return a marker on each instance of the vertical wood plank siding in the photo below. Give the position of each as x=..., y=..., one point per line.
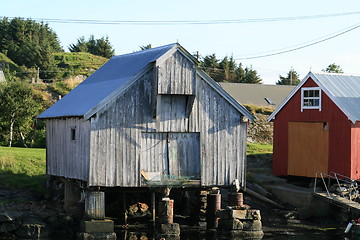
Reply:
x=125, y=138
x=176, y=76
x=66, y=157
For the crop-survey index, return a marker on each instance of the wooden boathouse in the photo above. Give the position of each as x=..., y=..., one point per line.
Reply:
x=145, y=116
x=317, y=127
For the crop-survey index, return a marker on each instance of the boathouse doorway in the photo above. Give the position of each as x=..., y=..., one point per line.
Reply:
x=308, y=148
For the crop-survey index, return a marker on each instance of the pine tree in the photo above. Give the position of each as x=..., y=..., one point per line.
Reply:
x=292, y=78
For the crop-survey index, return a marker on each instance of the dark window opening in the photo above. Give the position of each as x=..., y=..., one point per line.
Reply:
x=73, y=134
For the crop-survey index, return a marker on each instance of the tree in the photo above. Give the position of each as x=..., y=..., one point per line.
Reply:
x=28, y=43
x=80, y=46
x=100, y=47
x=211, y=66
x=226, y=70
x=251, y=76
x=144, y=47
x=18, y=109
x=333, y=68
x=292, y=78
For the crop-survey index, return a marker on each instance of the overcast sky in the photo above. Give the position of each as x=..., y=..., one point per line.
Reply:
x=241, y=39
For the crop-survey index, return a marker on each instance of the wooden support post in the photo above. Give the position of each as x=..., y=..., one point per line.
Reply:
x=186, y=203
x=153, y=204
x=124, y=207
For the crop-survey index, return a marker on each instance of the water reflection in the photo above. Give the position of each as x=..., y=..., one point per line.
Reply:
x=203, y=235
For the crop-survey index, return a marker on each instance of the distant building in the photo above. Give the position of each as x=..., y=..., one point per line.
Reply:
x=258, y=94
x=317, y=127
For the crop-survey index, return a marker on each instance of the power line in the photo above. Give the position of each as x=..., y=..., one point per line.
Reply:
x=349, y=29
x=193, y=22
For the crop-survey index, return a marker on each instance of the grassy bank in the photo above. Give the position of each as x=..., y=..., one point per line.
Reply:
x=23, y=168
x=258, y=148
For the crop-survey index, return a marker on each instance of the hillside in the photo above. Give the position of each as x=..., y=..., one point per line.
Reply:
x=6, y=62
x=77, y=63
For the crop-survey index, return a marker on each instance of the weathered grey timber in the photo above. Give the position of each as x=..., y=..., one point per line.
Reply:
x=167, y=117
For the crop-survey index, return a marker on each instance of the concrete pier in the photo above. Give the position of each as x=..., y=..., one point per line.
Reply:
x=95, y=226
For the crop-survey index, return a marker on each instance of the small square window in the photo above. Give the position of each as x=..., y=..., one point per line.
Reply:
x=311, y=98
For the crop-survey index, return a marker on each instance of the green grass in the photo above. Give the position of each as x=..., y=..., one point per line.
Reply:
x=258, y=148
x=79, y=62
x=23, y=168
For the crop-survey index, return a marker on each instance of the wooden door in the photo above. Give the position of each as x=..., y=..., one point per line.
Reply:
x=184, y=154
x=308, y=148
x=176, y=154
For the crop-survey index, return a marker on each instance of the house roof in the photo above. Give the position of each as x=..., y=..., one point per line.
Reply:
x=256, y=94
x=343, y=90
x=116, y=76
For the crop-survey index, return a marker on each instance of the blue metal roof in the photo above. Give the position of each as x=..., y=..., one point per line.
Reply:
x=110, y=77
x=113, y=77
x=343, y=90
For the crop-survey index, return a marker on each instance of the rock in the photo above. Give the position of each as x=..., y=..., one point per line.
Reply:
x=252, y=225
x=224, y=214
x=253, y=214
x=133, y=209
x=7, y=227
x=169, y=229
x=6, y=217
x=230, y=224
x=32, y=231
x=239, y=214
x=96, y=236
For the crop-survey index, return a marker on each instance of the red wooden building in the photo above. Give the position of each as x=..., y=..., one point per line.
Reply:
x=317, y=127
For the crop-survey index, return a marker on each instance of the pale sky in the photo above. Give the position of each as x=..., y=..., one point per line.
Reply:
x=237, y=39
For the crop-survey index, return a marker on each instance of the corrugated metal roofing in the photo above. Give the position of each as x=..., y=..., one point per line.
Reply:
x=110, y=77
x=113, y=77
x=343, y=90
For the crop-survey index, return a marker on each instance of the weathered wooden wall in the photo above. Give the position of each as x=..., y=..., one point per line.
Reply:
x=126, y=137
x=222, y=137
x=66, y=157
x=176, y=76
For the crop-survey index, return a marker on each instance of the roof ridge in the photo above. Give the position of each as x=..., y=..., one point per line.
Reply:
x=145, y=50
x=336, y=74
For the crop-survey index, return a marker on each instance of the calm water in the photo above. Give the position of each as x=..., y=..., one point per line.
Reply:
x=201, y=235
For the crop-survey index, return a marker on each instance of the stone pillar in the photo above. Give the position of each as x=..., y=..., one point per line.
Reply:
x=96, y=226
x=213, y=205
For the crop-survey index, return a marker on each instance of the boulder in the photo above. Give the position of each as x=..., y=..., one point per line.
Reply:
x=230, y=224
x=7, y=227
x=7, y=217
x=32, y=231
x=252, y=225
